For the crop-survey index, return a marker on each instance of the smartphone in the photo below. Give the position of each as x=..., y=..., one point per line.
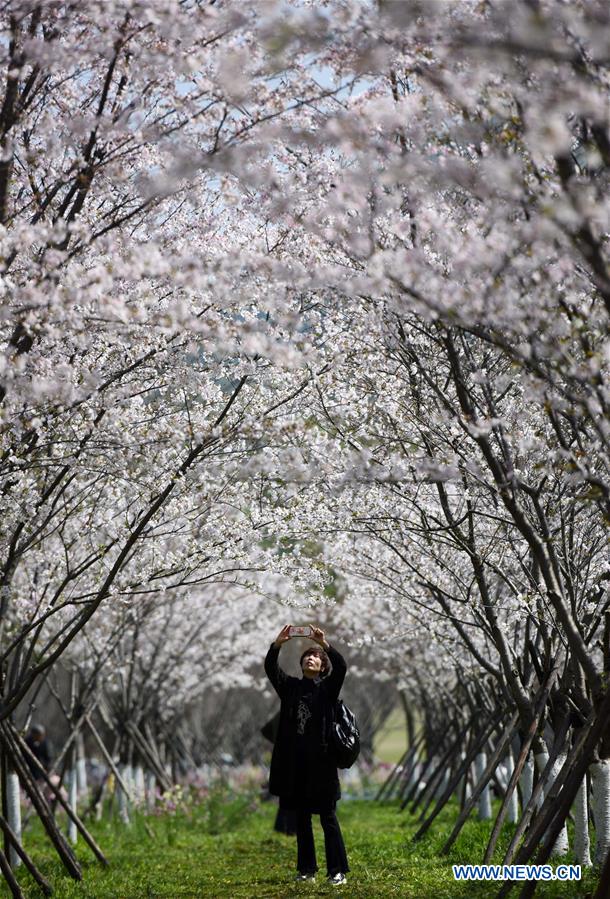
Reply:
x=300, y=631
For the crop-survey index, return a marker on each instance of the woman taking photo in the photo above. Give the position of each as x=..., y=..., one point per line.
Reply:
x=303, y=773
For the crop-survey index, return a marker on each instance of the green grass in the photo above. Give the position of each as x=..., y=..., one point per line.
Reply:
x=185, y=859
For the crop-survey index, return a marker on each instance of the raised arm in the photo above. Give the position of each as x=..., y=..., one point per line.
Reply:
x=278, y=677
x=335, y=679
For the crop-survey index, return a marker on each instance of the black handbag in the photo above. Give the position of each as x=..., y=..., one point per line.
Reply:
x=344, y=742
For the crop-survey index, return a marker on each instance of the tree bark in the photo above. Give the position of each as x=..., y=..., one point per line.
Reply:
x=542, y=759
x=151, y=790
x=582, y=843
x=512, y=798
x=13, y=807
x=526, y=781
x=484, y=805
x=600, y=789
x=81, y=765
x=73, y=798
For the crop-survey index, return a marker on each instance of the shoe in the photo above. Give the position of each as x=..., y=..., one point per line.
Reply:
x=305, y=877
x=337, y=879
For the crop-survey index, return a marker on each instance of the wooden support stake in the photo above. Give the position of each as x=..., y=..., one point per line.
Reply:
x=539, y=707
x=40, y=804
x=11, y=836
x=407, y=773
x=149, y=757
x=67, y=808
x=407, y=778
x=437, y=769
x=8, y=875
x=109, y=759
x=461, y=771
x=427, y=795
x=482, y=783
x=115, y=771
x=530, y=808
x=410, y=790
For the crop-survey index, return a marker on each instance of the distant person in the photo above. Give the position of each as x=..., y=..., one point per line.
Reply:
x=303, y=773
x=38, y=745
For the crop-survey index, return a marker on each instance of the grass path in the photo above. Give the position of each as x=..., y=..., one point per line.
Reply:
x=253, y=862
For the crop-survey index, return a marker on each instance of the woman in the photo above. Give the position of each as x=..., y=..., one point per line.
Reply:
x=303, y=773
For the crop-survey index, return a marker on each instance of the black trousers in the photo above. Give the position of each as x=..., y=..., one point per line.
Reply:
x=336, y=857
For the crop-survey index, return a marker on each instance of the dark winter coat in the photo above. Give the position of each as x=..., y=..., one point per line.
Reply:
x=40, y=751
x=302, y=771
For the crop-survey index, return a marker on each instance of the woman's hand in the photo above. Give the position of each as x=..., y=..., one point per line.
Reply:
x=283, y=636
x=317, y=634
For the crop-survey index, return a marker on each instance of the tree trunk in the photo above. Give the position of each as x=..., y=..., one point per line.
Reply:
x=99, y=805
x=139, y=789
x=513, y=801
x=468, y=783
x=151, y=790
x=13, y=808
x=600, y=789
x=81, y=766
x=73, y=799
x=582, y=845
x=485, y=797
x=561, y=843
x=526, y=781
x=409, y=719
x=122, y=795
